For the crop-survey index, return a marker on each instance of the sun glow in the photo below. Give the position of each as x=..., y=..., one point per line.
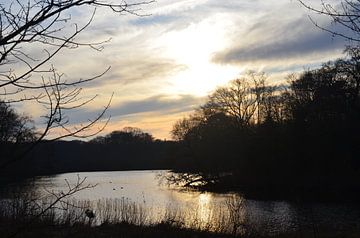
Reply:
x=194, y=47
x=204, y=207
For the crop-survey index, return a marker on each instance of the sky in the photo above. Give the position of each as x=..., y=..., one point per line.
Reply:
x=164, y=64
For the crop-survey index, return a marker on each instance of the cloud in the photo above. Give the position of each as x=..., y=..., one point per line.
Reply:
x=155, y=114
x=136, y=73
x=285, y=45
x=155, y=19
x=159, y=105
x=284, y=42
x=145, y=69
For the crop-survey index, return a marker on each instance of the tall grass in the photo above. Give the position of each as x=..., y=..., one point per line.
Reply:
x=119, y=210
x=24, y=210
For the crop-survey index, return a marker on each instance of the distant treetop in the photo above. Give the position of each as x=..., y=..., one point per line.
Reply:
x=127, y=135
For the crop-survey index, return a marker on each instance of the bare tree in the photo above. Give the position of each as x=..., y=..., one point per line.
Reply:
x=346, y=14
x=241, y=99
x=183, y=127
x=191, y=180
x=32, y=33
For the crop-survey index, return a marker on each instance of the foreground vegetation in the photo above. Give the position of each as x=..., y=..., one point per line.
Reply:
x=30, y=217
x=26, y=213
x=160, y=230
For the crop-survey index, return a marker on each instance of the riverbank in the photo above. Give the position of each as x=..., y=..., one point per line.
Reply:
x=228, y=183
x=28, y=218
x=134, y=231
x=117, y=230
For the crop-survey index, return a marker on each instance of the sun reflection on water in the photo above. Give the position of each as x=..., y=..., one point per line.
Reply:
x=204, y=205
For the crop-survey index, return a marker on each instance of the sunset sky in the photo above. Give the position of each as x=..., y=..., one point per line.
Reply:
x=163, y=65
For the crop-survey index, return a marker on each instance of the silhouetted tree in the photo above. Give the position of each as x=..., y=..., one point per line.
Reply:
x=326, y=94
x=15, y=128
x=292, y=137
x=128, y=135
x=273, y=106
x=32, y=33
x=184, y=128
x=241, y=99
x=241, y=104
x=214, y=137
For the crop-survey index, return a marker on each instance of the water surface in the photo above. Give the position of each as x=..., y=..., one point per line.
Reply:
x=142, y=187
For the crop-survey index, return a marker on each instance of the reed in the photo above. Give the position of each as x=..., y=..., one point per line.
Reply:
x=26, y=210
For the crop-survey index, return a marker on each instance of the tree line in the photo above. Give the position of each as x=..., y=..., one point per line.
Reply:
x=126, y=149
x=251, y=135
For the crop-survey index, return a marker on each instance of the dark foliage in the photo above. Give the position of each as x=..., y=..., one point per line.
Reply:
x=128, y=149
x=128, y=135
x=17, y=133
x=14, y=127
x=299, y=138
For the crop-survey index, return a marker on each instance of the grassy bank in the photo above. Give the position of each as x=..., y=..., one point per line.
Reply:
x=29, y=216
x=133, y=231
x=115, y=230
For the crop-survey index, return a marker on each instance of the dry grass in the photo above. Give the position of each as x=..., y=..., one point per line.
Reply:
x=30, y=211
x=25, y=217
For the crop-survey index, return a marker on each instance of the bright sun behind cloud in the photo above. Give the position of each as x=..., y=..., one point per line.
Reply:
x=194, y=47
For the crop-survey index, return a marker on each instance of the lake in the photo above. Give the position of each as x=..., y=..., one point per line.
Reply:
x=144, y=188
